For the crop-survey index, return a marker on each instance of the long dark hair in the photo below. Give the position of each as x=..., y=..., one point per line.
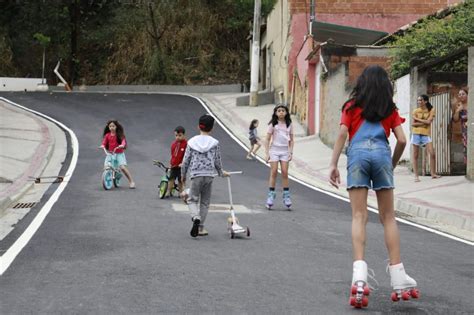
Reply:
x=274, y=119
x=252, y=124
x=119, y=131
x=374, y=94
x=427, y=101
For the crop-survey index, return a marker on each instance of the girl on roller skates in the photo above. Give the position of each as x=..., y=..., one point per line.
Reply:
x=279, y=149
x=367, y=118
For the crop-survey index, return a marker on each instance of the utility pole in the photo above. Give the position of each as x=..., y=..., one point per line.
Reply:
x=254, y=69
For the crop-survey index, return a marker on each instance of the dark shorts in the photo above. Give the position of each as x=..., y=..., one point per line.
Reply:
x=175, y=172
x=253, y=141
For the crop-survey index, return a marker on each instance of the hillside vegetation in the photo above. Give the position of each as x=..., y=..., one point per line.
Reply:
x=129, y=42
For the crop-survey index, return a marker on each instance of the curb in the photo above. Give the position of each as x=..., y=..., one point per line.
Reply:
x=8, y=201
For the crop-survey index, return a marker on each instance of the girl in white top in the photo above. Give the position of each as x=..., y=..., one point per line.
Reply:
x=279, y=148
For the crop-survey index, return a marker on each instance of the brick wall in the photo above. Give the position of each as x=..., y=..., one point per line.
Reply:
x=299, y=6
x=357, y=64
x=371, y=6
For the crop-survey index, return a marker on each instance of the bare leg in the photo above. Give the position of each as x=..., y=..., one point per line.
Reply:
x=170, y=186
x=256, y=147
x=249, y=154
x=284, y=173
x=387, y=218
x=128, y=175
x=273, y=174
x=358, y=197
x=431, y=153
x=414, y=161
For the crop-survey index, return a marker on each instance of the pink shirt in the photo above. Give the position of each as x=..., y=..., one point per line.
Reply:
x=280, y=134
x=110, y=143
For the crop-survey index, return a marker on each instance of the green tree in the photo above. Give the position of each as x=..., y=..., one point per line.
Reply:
x=434, y=38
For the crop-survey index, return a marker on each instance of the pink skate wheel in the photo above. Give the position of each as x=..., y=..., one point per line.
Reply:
x=405, y=295
x=365, y=301
x=352, y=301
x=415, y=293
x=366, y=290
x=395, y=297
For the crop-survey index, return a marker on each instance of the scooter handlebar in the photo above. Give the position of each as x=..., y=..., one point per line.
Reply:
x=235, y=172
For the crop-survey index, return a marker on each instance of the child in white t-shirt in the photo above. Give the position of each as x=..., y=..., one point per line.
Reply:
x=279, y=149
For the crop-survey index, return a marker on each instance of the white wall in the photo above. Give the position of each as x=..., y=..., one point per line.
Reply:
x=402, y=99
x=19, y=84
x=277, y=37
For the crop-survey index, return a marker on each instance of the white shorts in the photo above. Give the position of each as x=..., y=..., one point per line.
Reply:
x=279, y=154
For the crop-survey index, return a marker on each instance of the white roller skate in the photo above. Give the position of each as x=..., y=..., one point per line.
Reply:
x=360, y=288
x=270, y=199
x=287, y=199
x=402, y=284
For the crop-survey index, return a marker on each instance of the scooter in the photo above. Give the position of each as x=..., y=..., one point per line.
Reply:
x=233, y=225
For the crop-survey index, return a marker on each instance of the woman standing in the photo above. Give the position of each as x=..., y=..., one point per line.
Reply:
x=421, y=134
x=460, y=114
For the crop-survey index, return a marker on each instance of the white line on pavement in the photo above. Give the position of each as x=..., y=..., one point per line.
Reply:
x=327, y=192
x=9, y=256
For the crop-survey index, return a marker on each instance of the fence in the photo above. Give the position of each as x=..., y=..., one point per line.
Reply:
x=439, y=134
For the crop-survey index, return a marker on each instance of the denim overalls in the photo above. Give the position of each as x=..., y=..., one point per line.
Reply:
x=369, y=158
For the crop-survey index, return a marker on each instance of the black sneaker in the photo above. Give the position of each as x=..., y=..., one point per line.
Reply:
x=195, y=229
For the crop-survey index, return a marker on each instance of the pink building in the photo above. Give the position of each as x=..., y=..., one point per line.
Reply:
x=351, y=22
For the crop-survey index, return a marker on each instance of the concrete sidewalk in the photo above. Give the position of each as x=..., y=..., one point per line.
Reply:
x=445, y=204
x=30, y=147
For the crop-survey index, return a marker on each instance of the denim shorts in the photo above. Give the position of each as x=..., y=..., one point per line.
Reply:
x=120, y=160
x=369, y=167
x=420, y=140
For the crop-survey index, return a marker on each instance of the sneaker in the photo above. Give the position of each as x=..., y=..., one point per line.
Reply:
x=202, y=231
x=132, y=185
x=195, y=229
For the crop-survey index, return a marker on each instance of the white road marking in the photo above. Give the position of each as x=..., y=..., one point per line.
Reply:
x=217, y=208
x=9, y=256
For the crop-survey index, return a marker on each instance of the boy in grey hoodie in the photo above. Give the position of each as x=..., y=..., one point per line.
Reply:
x=202, y=159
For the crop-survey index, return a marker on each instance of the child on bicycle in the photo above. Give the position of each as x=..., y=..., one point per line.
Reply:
x=178, y=148
x=202, y=158
x=367, y=118
x=114, y=141
x=279, y=149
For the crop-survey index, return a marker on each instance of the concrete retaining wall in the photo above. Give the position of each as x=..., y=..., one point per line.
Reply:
x=19, y=84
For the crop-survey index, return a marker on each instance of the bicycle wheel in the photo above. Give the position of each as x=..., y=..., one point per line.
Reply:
x=162, y=189
x=117, y=178
x=107, y=179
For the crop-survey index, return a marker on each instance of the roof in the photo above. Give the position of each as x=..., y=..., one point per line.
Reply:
x=346, y=35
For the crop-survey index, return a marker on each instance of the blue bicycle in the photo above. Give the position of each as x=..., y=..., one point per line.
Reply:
x=112, y=174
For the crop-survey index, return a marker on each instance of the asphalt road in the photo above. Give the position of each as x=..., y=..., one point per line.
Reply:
x=126, y=251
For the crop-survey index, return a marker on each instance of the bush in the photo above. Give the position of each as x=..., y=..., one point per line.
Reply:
x=434, y=38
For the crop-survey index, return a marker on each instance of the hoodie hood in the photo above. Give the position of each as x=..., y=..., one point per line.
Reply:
x=202, y=143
